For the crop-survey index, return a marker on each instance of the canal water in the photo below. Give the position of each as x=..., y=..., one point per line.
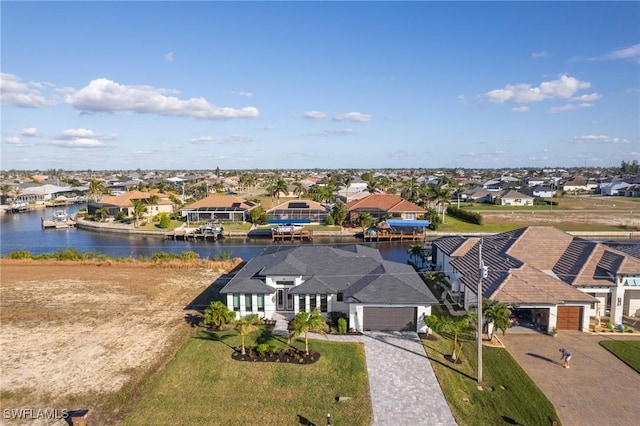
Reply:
x=23, y=231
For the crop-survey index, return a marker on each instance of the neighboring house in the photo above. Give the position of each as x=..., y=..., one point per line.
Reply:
x=512, y=197
x=155, y=201
x=374, y=293
x=578, y=184
x=478, y=195
x=632, y=191
x=544, y=270
x=384, y=205
x=534, y=181
x=41, y=193
x=300, y=209
x=227, y=208
x=614, y=188
x=539, y=191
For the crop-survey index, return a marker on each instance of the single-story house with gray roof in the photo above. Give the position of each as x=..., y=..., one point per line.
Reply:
x=375, y=294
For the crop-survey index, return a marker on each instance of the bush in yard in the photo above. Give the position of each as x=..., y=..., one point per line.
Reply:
x=164, y=221
x=20, y=254
x=342, y=326
x=218, y=314
x=465, y=215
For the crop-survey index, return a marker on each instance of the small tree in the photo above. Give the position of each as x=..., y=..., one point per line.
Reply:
x=306, y=322
x=139, y=209
x=456, y=326
x=365, y=221
x=218, y=314
x=245, y=326
x=417, y=251
x=496, y=313
x=430, y=321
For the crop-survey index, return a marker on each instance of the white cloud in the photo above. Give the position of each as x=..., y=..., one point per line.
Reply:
x=631, y=52
x=353, y=116
x=169, y=57
x=29, y=132
x=569, y=107
x=537, y=55
x=14, y=140
x=599, y=139
x=14, y=92
x=588, y=98
x=243, y=93
x=463, y=100
x=81, y=138
x=523, y=108
x=315, y=114
x=337, y=132
x=104, y=95
x=78, y=143
x=237, y=139
x=563, y=88
x=201, y=139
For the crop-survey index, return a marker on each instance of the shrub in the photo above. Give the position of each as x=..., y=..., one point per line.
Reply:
x=254, y=318
x=465, y=215
x=342, y=326
x=20, y=254
x=189, y=255
x=334, y=318
x=263, y=349
x=164, y=221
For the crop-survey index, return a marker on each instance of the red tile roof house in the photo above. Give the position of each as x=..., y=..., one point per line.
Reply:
x=124, y=203
x=384, y=206
x=546, y=270
x=224, y=208
x=374, y=293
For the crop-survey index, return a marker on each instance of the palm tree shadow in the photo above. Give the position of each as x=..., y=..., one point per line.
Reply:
x=304, y=421
x=452, y=369
x=215, y=337
x=511, y=421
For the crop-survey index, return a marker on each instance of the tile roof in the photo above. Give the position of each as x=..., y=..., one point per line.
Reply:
x=358, y=271
x=384, y=202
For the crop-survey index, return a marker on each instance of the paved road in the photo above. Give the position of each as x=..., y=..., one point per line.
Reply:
x=598, y=389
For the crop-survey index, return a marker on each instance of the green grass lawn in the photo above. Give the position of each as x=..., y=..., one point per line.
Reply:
x=628, y=351
x=203, y=385
x=520, y=402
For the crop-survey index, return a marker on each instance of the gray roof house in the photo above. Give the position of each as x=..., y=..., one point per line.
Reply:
x=374, y=293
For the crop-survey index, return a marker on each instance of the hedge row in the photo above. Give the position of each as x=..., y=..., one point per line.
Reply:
x=465, y=215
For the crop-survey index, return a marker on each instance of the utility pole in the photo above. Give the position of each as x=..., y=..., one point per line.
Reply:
x=483, y=272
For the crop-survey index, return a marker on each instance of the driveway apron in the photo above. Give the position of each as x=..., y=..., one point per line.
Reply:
x=404, y=389
x=598, y=389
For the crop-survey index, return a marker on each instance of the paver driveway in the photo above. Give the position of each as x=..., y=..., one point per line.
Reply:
x=598, y=389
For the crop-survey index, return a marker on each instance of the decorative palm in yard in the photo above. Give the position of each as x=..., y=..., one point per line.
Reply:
x=245, y=326
x=455, y=326
x=497, y=314
x=306, y=322
x=218, y=314
x=417, y=251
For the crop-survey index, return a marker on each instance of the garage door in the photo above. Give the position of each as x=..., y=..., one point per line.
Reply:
x=387, y=319
x=569, y=318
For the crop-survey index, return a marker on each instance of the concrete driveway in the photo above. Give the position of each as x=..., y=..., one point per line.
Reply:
x=598, y=389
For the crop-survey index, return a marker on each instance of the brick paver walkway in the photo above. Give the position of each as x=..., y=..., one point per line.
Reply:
x=598, y=389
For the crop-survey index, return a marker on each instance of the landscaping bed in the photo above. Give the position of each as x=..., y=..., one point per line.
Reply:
x=292, y=356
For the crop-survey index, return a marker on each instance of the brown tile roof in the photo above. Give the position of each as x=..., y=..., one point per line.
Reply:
x=124, y=200
x=384, y=202
x=540, y=246
x=224, y=201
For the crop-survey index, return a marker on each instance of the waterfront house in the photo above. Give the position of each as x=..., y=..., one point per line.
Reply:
x=155, y=201
x=381, y=206
x=293, y=210
x=225, y=208
x=545, y=272
x=374, y=293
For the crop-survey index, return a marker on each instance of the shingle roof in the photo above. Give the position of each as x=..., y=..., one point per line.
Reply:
x=221, y=201
x=358, y=271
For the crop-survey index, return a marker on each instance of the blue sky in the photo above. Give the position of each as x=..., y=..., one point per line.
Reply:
x=200, y=85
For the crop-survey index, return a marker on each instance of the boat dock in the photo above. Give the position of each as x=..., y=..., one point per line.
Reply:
x=192, y=234
x=391, y=236
x=58, y=223
x=291, y=235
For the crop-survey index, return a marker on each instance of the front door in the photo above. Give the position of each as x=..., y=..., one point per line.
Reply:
x=284, y=300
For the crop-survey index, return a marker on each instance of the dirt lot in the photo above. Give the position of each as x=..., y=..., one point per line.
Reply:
x=75, y=333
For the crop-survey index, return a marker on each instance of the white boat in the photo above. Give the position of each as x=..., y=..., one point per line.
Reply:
x=287, y=229
x=19, y=206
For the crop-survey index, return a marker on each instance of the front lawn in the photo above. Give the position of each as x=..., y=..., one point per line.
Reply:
x=628, y=351
x=204, y=385
x=509, y=395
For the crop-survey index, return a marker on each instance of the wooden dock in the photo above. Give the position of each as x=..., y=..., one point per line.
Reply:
x=389, y=236
x=57, y=224
x=298, y=235
x=190, y=234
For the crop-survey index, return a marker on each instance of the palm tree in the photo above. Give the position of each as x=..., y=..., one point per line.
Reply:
x=218, y=314
x=298, y=188
x=372, y=186
x=139, y=208
x=102, y=212
x=456, y=326
x=417, y=251
x=410, y=190
x=280, y=187
x=245, y=326
x=497, y=314
x=96, y=188
x=347, y=179
x=306, y=322
x=365, y=221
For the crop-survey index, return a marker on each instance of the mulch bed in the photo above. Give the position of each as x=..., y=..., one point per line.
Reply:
x=424, y=336
x=285, y=356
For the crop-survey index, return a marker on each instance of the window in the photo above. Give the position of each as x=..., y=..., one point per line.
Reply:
x=312, y=302
x=261, y=302
x=340, y=297
x=323, y=303
x=236, y=302
x=248, y=304
x=285, y=282
x=303, y=303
